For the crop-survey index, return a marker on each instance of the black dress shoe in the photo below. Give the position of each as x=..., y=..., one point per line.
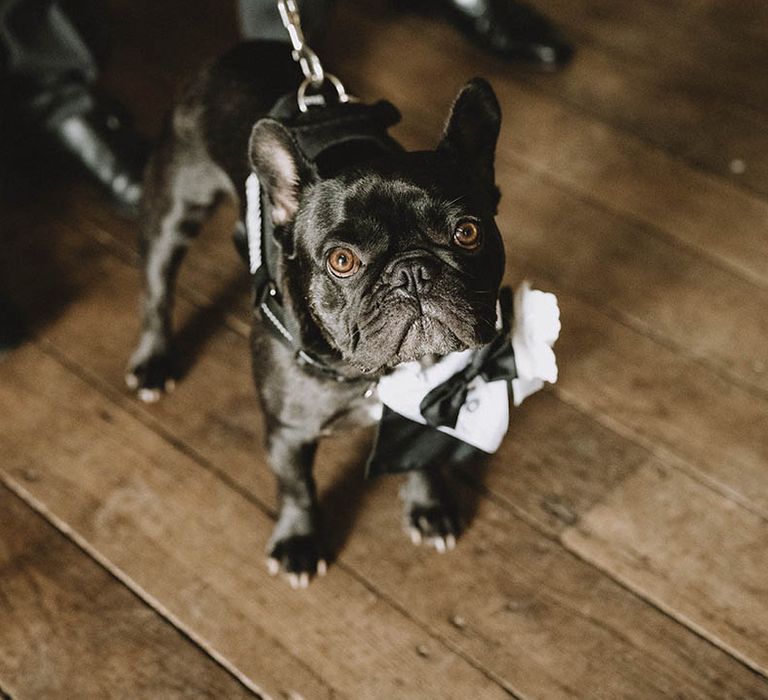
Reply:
x=511, y=29
x=101, y=142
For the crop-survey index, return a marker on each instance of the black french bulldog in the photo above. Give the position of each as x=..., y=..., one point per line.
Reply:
x=390, y=256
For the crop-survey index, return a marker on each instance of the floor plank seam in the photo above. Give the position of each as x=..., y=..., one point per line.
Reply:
x=466, y=477
x=143, y=596
x=363, y=581
x=140, y=413
x=642, y=328
x=557, y=538
x=552, y=534
x=682, y=620
x=618, y=635
x=665, y=455
x=653, y=230
x=154, y=425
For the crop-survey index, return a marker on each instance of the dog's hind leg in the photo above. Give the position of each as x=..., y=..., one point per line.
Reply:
x=182, y=189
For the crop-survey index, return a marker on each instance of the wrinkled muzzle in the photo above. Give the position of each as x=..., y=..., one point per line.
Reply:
x=419, y=307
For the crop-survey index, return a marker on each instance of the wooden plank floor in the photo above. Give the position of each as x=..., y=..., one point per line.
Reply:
x=617, y=544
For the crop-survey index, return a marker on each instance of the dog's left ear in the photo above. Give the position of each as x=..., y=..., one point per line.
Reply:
x=473, y=127
x=282, y=169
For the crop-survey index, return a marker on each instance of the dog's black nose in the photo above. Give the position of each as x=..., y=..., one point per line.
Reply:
x=414, y=275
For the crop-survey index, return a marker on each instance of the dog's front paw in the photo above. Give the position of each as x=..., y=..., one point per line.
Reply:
x=434, y=524
x=151, y=376
x=300, y=557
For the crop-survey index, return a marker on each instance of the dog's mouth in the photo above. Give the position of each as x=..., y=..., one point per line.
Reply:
x=412, y=330
x=426, y=335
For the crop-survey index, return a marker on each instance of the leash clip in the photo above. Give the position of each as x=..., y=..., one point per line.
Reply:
x=311, y=99
x=309, y=93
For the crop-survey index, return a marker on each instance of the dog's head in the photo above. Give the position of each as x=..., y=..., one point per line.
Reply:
x=401, y=258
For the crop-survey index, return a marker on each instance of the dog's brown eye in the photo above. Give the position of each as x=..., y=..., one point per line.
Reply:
x=467, y=235
x=342, y=262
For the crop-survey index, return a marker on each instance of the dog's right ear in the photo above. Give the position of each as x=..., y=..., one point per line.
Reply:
x=473, y=128
x=281, y=168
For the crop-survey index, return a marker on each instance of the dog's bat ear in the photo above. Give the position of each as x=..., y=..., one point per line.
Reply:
x=282, y=169
x=472, y=129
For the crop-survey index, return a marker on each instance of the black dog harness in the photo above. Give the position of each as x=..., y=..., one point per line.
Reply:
x=330, y=138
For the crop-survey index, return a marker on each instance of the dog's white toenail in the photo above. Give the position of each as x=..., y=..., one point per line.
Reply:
x=450, y=542
x=149, y=395
x=303, y=580
x=273, y=566
x=415, y=535
x=132, y=381
x=170, y=385
x=322, y=568
x=440, y=545
x=293, y=579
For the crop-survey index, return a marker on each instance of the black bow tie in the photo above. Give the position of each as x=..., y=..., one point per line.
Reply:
x=493, y=362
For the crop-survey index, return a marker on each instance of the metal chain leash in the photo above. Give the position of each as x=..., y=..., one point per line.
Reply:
x=315, y=77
